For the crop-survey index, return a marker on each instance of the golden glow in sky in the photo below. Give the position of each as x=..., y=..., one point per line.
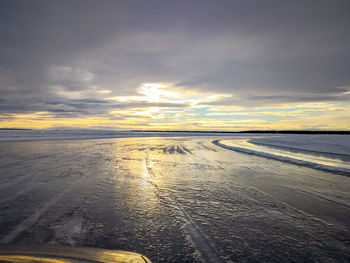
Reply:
x=163, y=106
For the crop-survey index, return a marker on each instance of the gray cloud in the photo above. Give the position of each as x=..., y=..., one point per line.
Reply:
x=57, y=56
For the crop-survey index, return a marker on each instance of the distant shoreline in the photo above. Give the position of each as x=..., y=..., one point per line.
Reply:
x=15, y=129
x=256, y=131
x=200, y=131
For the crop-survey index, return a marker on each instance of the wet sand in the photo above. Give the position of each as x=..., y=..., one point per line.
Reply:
x=172, y=199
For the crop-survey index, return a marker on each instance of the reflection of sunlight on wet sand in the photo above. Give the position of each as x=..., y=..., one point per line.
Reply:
x=139, y=171
x=137, y=174
x=245, y=144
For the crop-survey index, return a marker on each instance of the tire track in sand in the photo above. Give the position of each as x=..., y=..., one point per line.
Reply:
x=31, y=220
x=207, y=252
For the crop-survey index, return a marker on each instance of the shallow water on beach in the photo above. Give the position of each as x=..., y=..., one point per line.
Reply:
x=172, y=199
x=332, y=163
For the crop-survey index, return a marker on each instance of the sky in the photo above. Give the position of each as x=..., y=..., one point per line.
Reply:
x=176, y=65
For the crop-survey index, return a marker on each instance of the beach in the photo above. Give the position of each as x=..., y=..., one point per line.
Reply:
x=177, y=198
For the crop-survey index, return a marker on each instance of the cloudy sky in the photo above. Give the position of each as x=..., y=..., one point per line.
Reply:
x=209, y=65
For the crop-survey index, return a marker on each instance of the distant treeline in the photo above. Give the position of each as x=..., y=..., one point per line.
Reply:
x=255, y=131
x=298, y=132
x=226, y=132
x=11, y=129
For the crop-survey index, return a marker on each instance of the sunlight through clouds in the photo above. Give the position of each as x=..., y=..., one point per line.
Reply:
x=167, y=93
x=117, y=64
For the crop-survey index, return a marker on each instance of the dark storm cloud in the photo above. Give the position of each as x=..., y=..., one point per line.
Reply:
x=263, y=52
